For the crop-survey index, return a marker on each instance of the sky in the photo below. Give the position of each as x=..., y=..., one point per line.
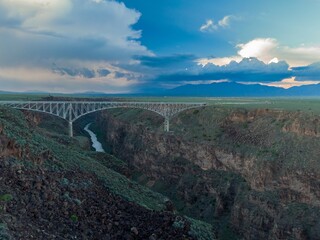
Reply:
x=132, y=45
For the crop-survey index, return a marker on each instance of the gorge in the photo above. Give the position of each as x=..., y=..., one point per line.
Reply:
x=249, y=174
x=245, y=172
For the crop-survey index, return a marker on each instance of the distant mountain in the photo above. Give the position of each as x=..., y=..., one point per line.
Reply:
x=307, y=90
x=224, y=89
x=5, y=92
x=232, y=89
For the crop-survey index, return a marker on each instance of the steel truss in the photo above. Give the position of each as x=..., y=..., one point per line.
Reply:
x=71, y=111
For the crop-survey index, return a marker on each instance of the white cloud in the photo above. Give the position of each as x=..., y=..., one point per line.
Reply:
x=261, y=48
x=273, y=60
x=34, y=13
x=300, y=56
x=225, y=22
x=218, y=61
x=269, y=50
x=210, y=25
x=37, y=33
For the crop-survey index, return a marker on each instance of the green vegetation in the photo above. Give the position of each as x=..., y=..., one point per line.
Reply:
x=201, y=230
x=6, y=197
x=74, y=218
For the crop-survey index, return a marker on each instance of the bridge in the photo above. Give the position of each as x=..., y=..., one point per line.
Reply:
x=71, y=111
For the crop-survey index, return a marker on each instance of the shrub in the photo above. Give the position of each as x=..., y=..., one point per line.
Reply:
x=74, y=218
x=6, y=197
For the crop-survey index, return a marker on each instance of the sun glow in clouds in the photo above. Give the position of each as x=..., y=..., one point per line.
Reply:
x=290, y=82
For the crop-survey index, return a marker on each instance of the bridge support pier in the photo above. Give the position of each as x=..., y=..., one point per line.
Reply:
x=166, y=124
x=70, y=129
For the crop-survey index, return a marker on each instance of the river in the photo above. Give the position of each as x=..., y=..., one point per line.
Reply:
x=95, y=143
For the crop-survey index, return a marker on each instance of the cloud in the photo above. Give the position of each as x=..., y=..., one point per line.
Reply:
x=218, y=61
x=78, y=29
x=307, y=73
x=103, y=72
x=261, y=48
x=210, y=25
x=247, y=70
x=300, y=56
x=94, y=34
x=41, y=79
x=269, y=50
x=290, y=82
x=74, y=72
x=225, y=21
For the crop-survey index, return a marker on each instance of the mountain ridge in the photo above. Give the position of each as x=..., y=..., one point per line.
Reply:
x=232, y=89
x=223, y=89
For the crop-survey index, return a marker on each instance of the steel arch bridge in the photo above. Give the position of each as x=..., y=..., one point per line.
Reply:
x=71, y=111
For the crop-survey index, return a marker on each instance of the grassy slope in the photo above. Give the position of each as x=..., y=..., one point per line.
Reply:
x=72, y=158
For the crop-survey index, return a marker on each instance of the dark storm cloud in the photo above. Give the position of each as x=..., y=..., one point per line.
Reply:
x=129, y=76
x=74, y=72
x=82, y=72
x=248, y=70
x=103, y=72
x=166, y=61
x=311, y=72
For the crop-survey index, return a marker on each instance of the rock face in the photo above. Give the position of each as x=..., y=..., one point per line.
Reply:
x=269, y=186
x=160, y=147
x=8, y=147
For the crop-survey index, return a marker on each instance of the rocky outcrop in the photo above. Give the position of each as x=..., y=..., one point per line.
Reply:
x=149, y=147
x=37, y=203
x=308, y=127
x=9, y=147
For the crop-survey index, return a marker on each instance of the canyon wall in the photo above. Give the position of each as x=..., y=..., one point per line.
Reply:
x=260, y=190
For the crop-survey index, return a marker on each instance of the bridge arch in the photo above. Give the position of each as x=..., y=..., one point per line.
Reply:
x=115, y=108
x=71, y=111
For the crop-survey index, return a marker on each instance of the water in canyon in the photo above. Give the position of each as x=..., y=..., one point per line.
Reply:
x=95, y=143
